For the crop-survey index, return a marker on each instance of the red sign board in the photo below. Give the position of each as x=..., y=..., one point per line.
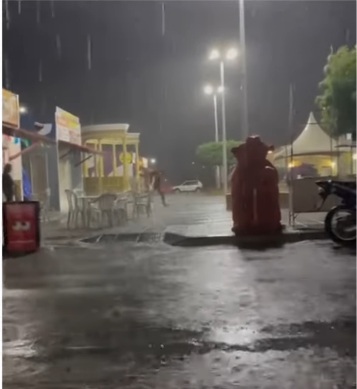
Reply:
x=21, y=227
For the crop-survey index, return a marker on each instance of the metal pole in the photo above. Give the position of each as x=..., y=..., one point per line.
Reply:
x=215, y=118
x=216, y=138
x=245, y=124
x=224, y=134
x=291, y=180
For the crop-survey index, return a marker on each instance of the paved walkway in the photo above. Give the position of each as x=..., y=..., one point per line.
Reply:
x=193, y=215
x=153, y=316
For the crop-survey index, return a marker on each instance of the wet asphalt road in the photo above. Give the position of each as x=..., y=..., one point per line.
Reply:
x=153, y=316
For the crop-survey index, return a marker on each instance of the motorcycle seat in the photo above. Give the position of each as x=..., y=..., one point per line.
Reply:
x=348, y=184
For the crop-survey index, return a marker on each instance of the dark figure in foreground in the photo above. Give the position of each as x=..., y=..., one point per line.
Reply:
x=8, y=186
x=157, y=186
x=255, y=191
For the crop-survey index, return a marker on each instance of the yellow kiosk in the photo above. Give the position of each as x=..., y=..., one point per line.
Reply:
x=119, y=169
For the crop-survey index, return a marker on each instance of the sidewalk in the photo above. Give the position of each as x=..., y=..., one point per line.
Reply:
x=187, y=217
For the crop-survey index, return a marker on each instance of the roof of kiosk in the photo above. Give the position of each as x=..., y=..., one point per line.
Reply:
x=312, y=140
x=110, y=133
x=106, y=127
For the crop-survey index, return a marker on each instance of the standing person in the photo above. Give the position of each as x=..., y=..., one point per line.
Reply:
x=8, y=185
x=157, y=186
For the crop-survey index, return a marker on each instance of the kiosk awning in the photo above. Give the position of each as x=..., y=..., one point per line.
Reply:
x=26, y=134
x=82, y=149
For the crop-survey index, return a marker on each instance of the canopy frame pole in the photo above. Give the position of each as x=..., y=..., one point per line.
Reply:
x=83, y=160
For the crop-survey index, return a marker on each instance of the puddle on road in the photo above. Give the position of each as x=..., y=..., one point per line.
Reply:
x=134, y=352
x=139, y=340
x=339, y=335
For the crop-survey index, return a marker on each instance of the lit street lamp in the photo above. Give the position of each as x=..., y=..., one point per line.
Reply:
x=23, y=110
x=210, y=91
x=229, y=55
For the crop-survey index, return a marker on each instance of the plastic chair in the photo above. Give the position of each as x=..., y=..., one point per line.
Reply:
x=79, y=192
x=74, y=209
x=44, y=200
x=121, y=207
x=142, y=204
x=104, y=206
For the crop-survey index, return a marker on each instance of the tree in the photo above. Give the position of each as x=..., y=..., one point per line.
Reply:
x=211, y=153
x=338, y=99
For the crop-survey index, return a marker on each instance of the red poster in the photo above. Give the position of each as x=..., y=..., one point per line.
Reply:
x=21, y=226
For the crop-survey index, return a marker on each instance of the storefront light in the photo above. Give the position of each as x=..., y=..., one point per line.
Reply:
x=354, y=156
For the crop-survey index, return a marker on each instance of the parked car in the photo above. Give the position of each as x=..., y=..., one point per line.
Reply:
x=189, y=186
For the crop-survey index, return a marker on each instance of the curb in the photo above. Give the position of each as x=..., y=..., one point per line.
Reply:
x=134, y=237
x=246, y=241
x=180, y=240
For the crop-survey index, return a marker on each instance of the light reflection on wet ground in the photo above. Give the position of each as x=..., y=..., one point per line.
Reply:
x=153, y=316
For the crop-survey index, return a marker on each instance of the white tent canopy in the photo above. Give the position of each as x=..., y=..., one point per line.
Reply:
x=313, y=140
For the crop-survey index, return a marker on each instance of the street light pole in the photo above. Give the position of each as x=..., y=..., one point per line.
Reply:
x=216, y=137
x=209, y=90
x=245, y=124
x=228, y=55
x=224, y=132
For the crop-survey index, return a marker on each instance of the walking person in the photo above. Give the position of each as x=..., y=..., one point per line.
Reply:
x=8, y=185
x=157, y=185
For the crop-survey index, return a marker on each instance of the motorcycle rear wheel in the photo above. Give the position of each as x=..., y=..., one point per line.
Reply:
x=333, y=232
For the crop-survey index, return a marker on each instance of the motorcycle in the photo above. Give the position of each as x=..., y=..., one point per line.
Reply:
x=340, y=221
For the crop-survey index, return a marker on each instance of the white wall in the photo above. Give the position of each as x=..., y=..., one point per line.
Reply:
x=64, y=179
x=70, y=176
x=9, y=149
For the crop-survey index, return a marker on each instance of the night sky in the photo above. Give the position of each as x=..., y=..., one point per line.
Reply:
x=151, y=75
